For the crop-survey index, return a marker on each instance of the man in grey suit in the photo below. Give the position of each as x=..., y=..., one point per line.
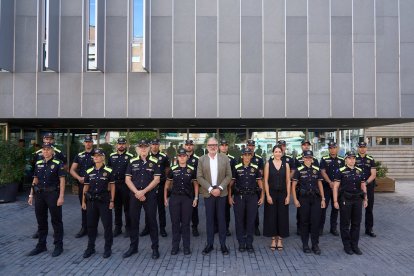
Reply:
x=214, y=174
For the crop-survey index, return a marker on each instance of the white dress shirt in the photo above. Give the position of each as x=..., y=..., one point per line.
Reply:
x=213, y=171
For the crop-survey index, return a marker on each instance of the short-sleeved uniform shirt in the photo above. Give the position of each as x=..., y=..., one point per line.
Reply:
x=142, y=172
x=246, y=177
x=163, y=163
x=350, y=179
x=193, y=161
x=331, y=165
x=49, y=172
x=98, y=179
x=366, y=164
x=84, y=160
x=118, y=162
x=307, y=178
x=256, y=159
x=182, y=179
x=233, y=162
x=299, y=161
x=58, y=155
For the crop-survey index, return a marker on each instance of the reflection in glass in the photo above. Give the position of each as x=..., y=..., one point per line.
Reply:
x=137, y=42
x=406, y=141
x=91, y=47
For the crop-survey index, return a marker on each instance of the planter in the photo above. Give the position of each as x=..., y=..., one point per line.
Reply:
x=385, y=184
x=8, y=192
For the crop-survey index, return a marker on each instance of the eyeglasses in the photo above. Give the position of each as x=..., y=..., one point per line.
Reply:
x=212, y=145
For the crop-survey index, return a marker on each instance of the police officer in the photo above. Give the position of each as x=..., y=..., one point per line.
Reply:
x=98, y=200
x=48, y=188
x=184, y=195
x=81, y=163
x=164, y=164
x=118, y=162
x=330, y=165
x=142, y=177
x=58, y=155
x=367, y=164
x=248, y=181
x=224, y=148
x=193, y=161
x=311, y=200
x=350, y=199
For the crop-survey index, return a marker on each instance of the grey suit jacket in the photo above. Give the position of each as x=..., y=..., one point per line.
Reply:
x=224, y=174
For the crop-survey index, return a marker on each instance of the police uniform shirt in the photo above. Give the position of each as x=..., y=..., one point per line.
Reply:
x=246, y=177
x=366, y=164
x=142, y=172
x=84, y=160
x=48, y=173
x=58, y=155
x=182, y=179
x=299, y=161
x=232, y=160
x=308, y=177
x=288, y=159
x=98, y=179
x=256, y=159
x=193, y=161
x=163, y=162
x=119, y=163
x=331, y=165
x=350, y=179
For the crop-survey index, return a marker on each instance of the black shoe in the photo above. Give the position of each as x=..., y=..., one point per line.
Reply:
x=107, y=253
x=195, y=232
x=37, y=251
x=88, y=252
x=250, y=248
x=224, y=250
x=144, y=232
x=370, y=233
x=334, y=232
x=174, y=250
x=130, y=252
x=155, y=254
x=242, y=247
x=320, y=232
x=35, y=235
x=207, y=249
x=257, y=231
x=316, y=250
x=306, y=249
x=117, y=231
x=298, y=232
x=348, y=251
x=187, y=251
x=58, y=250
x=163, y=233
x=356, y=250
x=126, y=234
x=81, y=233
x=228, y=233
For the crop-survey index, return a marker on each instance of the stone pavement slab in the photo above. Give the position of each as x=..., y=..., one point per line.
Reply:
x=391, y=253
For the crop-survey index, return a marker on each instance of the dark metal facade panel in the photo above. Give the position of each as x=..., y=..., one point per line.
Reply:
x=6, y=34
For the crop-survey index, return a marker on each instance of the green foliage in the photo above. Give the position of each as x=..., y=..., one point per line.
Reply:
x=381, y=170
x=135, y=136
x=107, y=148
x=12, y=163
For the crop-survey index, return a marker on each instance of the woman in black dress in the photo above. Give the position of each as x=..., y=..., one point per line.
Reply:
x=276, y=210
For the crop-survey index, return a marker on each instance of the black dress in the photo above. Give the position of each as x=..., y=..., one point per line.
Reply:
x=276, y=216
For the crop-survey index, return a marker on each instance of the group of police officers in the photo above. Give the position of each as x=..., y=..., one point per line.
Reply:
x=127, y=184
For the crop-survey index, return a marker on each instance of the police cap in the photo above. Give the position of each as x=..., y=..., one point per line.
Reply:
x=155, y=141
x=88, y=138
x=189, y=142
x=246, y=151
x=362, y=144
x=98, y=152
x=251, y=142
x=223, y=142
x=281, y=142
x=49, y=135
x=181, y=151
x=332, y=144
x=121, y=140
x=350, y=153
x=308, y=153
x=306, y=142
x=47, y=145
x=142, y=143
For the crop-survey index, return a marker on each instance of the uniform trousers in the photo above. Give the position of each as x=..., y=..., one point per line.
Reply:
x=96, y=209
x=121, y=201
x=215, y=206
x=334, y=212
x=150, y=208
x=45, y=201
x=180, y=213
x=350, y=221
x=245, y=211
x=83, y=212
x=161, y=207
x=369, y=215
x=310, y=217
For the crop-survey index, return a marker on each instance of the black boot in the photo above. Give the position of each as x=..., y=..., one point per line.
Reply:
x=37, y=250
x=144, y=232
x=163, y=233
x=35, y=235
x=88, y=252
x=81, y=233
x=117, y=231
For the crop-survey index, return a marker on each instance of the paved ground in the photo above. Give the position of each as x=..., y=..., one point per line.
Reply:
x=390, y=253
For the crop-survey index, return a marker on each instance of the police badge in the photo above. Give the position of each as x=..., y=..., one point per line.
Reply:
x=315, y=171
x=126, y=157
x=358, y=172
x=104, y=174
x=252, y=170
x=150, y=165
x=52, y=167
x=160, y=158
x=188, y=170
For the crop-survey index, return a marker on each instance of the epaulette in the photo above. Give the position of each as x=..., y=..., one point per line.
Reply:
x=325, y=157
x=256, y=155
x=315, y=167
x=153, y=159
x=163, y=154
x=230, y=156
x=359, y=169
x=191, y=167
x=174, y=167
x=56, y=149
x=113, y=153
x=80, y=153
x=196, y=156
x=133, y=159
x=238, y=165
x=107, y=169
x=342, y=169
x=301, y=167
x=254, y=166
x=89, y=170
x=339, y=157
x=287, y=155
x=39, y=151
x=129, y=154
x=299, y=156
x=56, y=161
x=39, y=161
x=369, y=157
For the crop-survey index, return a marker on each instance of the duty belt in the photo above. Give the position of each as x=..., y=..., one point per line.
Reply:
x=304, y=192
x=353, y=196
x=180, y=193
x=37, y=189
x=97, y=196
x=245, y=191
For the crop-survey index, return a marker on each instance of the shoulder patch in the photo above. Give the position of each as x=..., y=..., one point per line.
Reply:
x=108, y=169
x=56, y=161
x=153, y=159
x=238, y=165
x=39, y=161
x=299, y=156
x=39, y=151
x=89, y=170
x=230, y=156
x=339, y=157
x=369, y=157
x=359, y=169
x=325, y=157
x=315, y=167
x=258, y=156
x=287, y=155
x=133, y=159
x=56, y=149
x=163, y=154
x=80, y=153
x=191, y=167
x=129, y=154
x=300, y=168
x=254, y=166
x=342, y=169
x=174, y=167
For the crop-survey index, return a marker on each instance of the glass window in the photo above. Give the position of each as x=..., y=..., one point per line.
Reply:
x=381, y=141
x=76, y=137
x=236, y=139
x=45, y=36
x=2, y=132
x=393, y=141
x=200, y=137
x=138, y=36
x=320, y=140
x=406, y=141
x=293, y=140
x=264, y=141
x=91, y=46
x=171, y=140
x=135, y=135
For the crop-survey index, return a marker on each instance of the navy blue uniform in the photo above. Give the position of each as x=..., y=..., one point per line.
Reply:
x=245, y=201
x=142, y=173
x=181, y=200
x=366, y=164
x=233, y=163
x=84, y=160
x=331, y=166
x=97, y=204
x=57, y=156
x=310, y=202
x=46, y=196
x=193, y=161
x=350, y=204
x=119, y=163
